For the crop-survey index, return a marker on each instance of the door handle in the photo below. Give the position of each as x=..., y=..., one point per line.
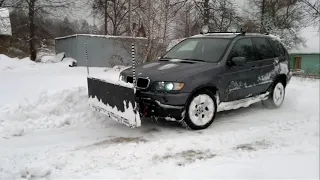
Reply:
x=253, y=66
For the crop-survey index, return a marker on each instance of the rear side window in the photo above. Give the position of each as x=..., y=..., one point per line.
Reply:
x=264, y=49
x=277, y=47
x=243, y=48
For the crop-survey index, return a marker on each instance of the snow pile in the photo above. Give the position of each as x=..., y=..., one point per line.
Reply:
x=112, y=75
x=53, y=59
x=131, y=119
x=35, y=170
x=51, y=110
x=7, y=63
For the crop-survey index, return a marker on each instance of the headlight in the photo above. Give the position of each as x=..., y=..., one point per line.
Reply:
x=168, y=86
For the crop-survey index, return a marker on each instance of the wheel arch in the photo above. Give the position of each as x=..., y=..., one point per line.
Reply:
x=211, y=87
x=282, y=78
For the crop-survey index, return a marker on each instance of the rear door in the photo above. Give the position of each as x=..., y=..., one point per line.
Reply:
x=236, y=81
x=267, y=60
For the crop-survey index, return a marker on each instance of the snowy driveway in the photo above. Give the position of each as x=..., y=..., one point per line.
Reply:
x=56, y=135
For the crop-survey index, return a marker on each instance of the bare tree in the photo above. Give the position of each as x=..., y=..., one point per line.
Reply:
x=188, y=21
x=116, y=11
x=219, y=15
x=2, y=2
x=311, y=10
x=282, y=18
x=38, y=8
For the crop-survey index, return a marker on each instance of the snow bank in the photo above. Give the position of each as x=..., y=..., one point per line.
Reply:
x=7, y=63
x=111, y=75
x=35, y=170
x=53, y=59
x=50, y=110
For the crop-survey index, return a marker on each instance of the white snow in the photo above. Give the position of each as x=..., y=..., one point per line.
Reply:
x=53, y=59
x=111, y=75
x=7, y=64
x=225, y=106
x=48, y=131
x=5, y=24
x=128, y=114
x=37, y=170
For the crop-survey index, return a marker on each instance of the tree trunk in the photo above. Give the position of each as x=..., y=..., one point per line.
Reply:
x=32, y=47
x=106, y=17
x=262, y=16
x=115, y=19
x=206, y=13
x=145, y=59
x=129, y=19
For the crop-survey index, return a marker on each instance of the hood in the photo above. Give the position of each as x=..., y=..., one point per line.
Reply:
x=168, y=70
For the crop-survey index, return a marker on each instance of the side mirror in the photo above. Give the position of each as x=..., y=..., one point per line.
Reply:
x=239, y=61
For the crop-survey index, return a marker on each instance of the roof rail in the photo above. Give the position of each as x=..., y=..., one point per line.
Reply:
x=241, y=32
x=212, y=32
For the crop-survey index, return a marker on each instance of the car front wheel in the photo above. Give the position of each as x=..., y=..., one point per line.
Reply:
x=200, y=110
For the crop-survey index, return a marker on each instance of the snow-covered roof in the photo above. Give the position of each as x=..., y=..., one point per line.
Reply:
x=104, y=36
x=5, y=25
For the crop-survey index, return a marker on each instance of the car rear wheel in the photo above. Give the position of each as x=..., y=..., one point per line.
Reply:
x=276, y=98
x=200, y=110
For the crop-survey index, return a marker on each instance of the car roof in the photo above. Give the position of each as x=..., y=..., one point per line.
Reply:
x=232, y=35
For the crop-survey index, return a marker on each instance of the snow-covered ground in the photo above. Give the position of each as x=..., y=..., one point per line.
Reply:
x=48, y=130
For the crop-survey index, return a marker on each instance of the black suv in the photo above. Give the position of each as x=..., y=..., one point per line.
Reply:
x=212, y=72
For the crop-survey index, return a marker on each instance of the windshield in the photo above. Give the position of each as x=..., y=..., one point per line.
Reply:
x=201, y=49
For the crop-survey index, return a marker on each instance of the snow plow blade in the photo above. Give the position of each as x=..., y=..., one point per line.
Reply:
x=114, y=100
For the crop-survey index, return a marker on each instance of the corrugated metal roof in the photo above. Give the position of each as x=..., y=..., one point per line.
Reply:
x=102, y=36
x=5, y=25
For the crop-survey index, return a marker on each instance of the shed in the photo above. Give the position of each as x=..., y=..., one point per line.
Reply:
x=102, y=50
x=5, y=30
x=309, y=63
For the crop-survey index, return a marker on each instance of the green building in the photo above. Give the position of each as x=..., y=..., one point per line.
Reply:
x=309, y=63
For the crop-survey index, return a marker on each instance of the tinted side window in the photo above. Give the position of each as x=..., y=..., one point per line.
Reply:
x=277, y=47
x=264, y=49
x=243, y=48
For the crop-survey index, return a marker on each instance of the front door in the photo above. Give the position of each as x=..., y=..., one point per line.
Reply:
x=237, y=81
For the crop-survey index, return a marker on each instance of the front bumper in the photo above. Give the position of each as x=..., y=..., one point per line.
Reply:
x=162, y=105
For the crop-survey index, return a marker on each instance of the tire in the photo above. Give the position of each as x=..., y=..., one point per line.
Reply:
x=276, y=98
x=200, y=111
